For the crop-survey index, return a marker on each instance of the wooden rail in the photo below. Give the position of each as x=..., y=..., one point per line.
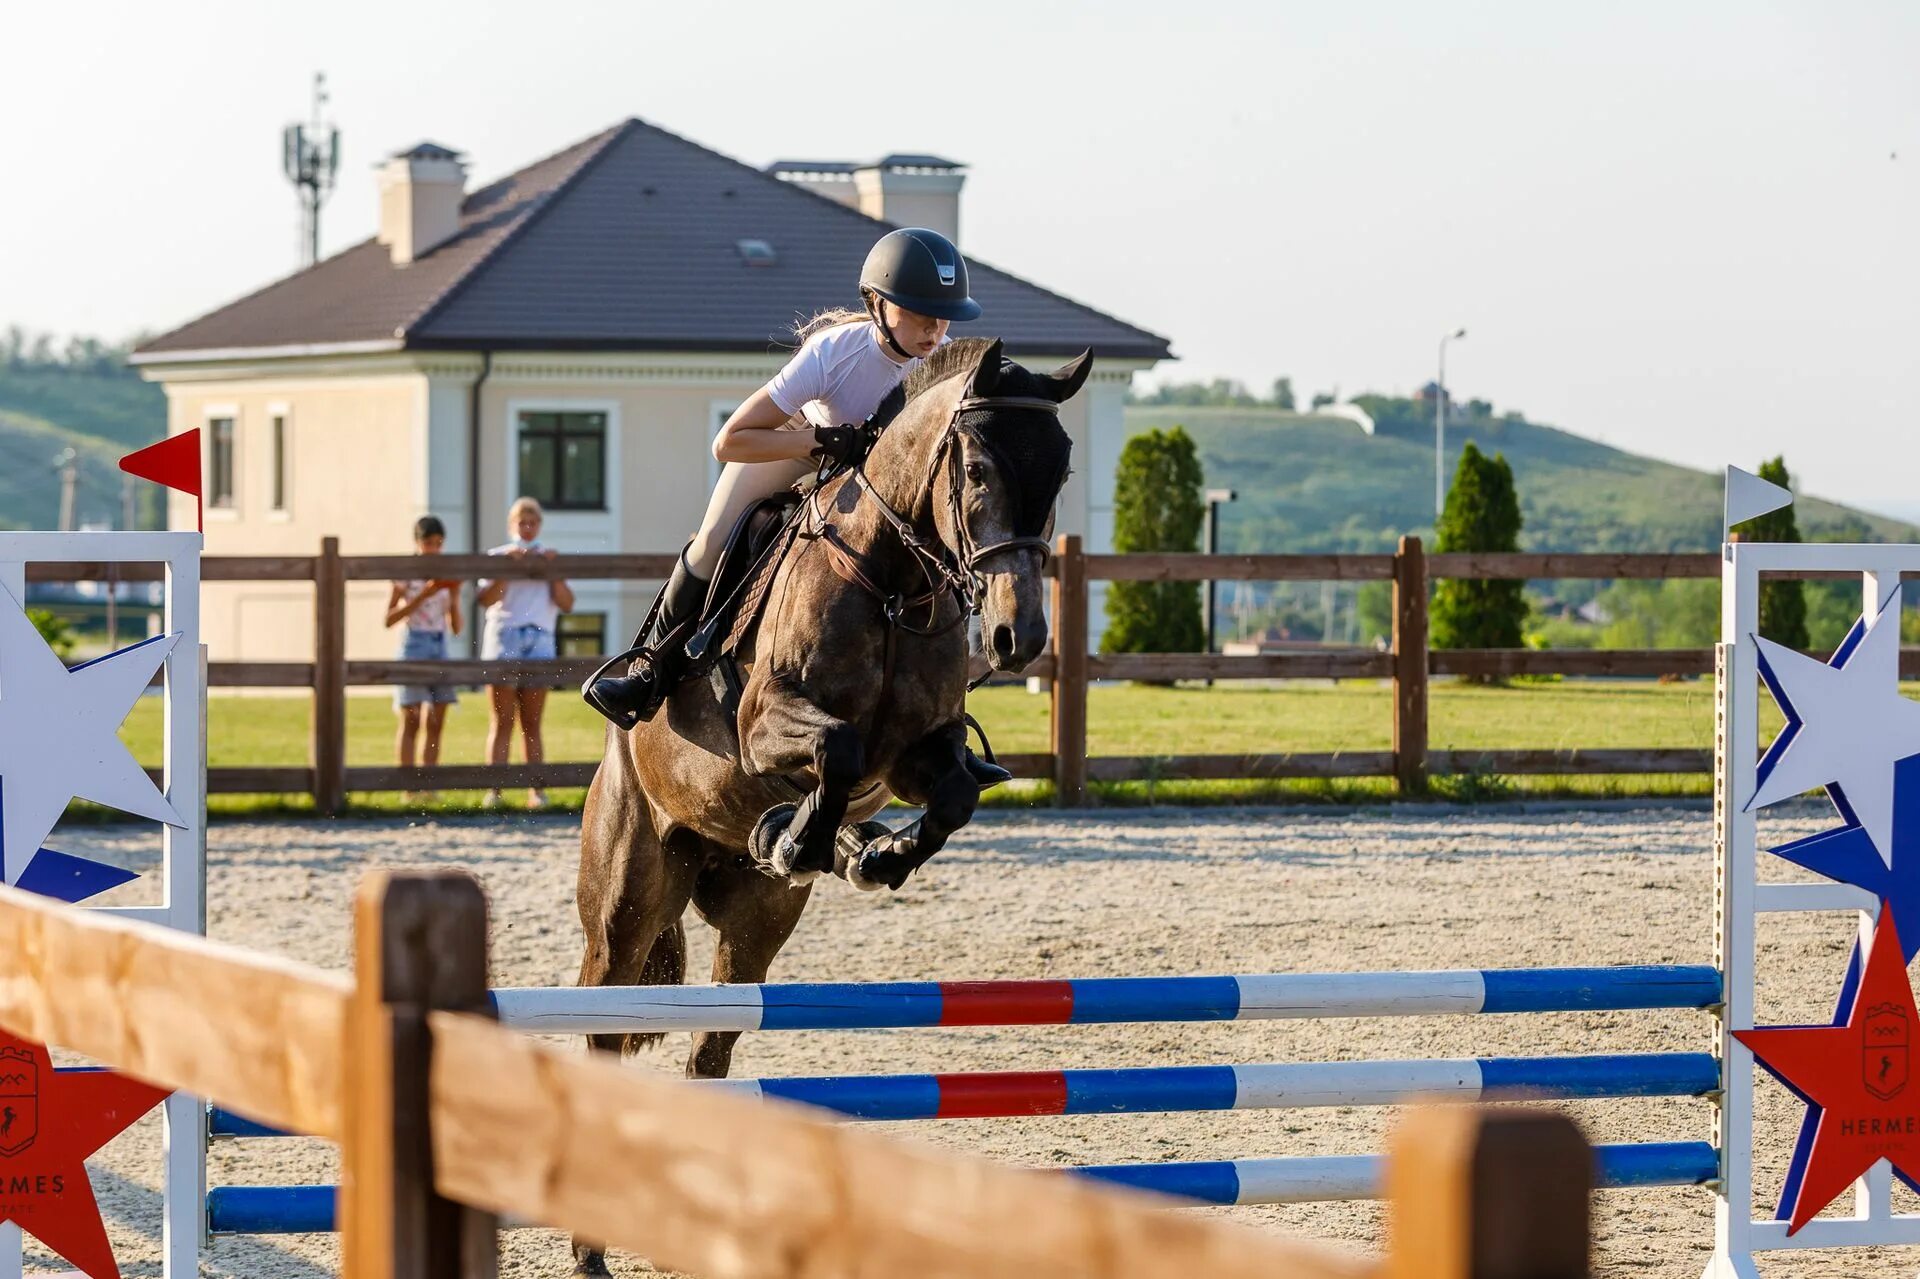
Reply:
x=1408, y=663
x=445, y=1120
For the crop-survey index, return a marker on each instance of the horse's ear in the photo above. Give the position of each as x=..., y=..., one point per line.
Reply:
x=986, y=376
x=1071, y=376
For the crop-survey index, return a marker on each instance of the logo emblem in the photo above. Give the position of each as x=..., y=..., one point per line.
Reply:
x=947, y=271
x=19, y=1100
x=1883, y=1050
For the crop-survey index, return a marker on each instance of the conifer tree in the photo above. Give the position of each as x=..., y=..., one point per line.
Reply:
x=1783, y=604
x=1157, y=506
x=1482, y=514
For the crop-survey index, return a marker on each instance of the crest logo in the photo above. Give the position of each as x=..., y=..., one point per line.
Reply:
x=1883, y=1050
x=19, y=1100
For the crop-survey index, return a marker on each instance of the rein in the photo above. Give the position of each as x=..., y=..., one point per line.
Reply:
x=946, y=572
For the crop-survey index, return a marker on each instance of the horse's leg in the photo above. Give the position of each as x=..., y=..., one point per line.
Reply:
x=754, y=916
x=632, y=891
x=785, y=734
x=933, y=772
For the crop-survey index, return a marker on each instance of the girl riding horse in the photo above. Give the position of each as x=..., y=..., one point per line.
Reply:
x=914, y=283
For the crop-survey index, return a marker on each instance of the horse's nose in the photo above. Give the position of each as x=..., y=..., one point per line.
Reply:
x=1003, y=647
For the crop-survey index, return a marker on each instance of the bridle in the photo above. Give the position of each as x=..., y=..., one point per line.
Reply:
x=954, y=572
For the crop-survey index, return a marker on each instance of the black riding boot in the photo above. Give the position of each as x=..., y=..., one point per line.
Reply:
x=984, y=774
x=630, y=699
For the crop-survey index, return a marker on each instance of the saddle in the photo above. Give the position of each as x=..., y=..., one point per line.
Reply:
x=754, y=548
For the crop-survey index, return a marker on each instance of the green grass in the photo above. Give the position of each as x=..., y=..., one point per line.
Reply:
x=1123, y=719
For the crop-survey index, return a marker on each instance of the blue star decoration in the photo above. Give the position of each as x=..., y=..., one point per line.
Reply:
x=59, y=740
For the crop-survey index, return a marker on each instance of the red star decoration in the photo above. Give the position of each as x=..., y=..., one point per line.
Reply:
x=1859, y=1076
x=49, y=1124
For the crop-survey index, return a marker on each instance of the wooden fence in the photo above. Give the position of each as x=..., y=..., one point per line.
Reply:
x=447, y=1121
x=1409, y=663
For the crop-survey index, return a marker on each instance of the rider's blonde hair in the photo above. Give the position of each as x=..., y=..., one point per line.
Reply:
x=834, y=316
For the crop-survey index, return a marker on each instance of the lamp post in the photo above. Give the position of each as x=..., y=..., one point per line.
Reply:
x=1440, y=431
x=1210, y=543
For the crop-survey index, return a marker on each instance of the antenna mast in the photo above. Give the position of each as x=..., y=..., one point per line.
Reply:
x=310, y=155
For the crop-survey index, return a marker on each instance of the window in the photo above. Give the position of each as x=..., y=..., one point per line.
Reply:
x=277, y=482
x=563, y=460
x=220, y=462
x=582, y=634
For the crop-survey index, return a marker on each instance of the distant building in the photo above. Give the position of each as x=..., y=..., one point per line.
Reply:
x=576, y=331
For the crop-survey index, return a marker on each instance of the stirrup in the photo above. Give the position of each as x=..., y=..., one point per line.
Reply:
x=628, y=700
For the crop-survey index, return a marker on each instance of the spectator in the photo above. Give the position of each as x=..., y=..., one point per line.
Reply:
x=430, y=610
x=522, y=616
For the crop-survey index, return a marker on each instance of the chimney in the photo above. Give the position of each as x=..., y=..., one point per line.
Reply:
x=420, y=194
x=913, y=190
x=906, y=190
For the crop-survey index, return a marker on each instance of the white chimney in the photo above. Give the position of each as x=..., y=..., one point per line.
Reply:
x=913, y=190
x=420, y=194
x=906, y=190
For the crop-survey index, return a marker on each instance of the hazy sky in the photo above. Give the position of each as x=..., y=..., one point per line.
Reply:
x=1680, y=228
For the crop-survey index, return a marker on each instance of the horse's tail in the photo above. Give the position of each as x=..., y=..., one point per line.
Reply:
x=666, y=965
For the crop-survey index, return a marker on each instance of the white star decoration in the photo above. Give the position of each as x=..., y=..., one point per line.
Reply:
x=59, y=737
x=1854, y=725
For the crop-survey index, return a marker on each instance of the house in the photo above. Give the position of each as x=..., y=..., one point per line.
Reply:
x=576, y=331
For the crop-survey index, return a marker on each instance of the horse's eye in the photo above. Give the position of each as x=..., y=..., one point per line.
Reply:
x=976, y=473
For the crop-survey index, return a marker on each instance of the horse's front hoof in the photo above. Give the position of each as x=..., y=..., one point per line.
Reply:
x=772, y=845
x=592, y=1264
x=881, y=865
x=850, y=848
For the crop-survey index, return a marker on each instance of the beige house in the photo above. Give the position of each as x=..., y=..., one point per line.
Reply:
x=576, y=331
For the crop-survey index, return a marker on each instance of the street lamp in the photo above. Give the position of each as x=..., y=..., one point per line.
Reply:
x=1210, y=543
x=1440, y=431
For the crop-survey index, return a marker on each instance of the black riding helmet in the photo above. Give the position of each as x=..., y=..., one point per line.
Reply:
x=919, y=270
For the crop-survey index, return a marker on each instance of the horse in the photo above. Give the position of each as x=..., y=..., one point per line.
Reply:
x=855, y=681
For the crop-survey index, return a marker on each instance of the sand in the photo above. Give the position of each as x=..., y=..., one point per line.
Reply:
x=1156, y=892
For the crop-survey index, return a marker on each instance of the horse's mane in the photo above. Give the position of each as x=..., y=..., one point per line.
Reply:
x=962, y=355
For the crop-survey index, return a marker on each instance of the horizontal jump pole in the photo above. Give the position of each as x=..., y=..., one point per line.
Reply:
x=1324, y=1178
x=576, y=1010
x=1152, y=1089
x=285, y=1210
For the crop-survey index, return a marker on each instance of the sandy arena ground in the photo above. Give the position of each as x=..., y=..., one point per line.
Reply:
x=1136, y=892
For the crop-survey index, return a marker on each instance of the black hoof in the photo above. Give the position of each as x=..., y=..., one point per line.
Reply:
x=882, y=863
x=773, y=850
x=594, y=1264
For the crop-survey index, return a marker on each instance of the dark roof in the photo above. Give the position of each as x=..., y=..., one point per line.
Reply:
x=626, y=241
x=427, y=151
x=812, y=166
x=908, y=161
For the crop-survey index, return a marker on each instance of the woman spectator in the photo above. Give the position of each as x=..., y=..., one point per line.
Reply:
x=522, y=617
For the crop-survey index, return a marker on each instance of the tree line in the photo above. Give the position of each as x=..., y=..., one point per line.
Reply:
x=38, y=351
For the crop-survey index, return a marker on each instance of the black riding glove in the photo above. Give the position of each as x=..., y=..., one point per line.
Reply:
x=841, y=443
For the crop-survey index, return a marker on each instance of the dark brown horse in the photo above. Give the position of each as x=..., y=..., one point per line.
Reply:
x=854, y=689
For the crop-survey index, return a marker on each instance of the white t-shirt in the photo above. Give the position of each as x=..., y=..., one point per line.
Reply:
x=839, y=376
x=527, y=601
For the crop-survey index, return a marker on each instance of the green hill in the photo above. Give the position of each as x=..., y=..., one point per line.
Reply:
x=102, y=415
x=1314, y=483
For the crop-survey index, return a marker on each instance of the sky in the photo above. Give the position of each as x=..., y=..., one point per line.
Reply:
x=1691, y=230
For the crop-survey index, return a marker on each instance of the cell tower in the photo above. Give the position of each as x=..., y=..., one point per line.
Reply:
x=310, y=154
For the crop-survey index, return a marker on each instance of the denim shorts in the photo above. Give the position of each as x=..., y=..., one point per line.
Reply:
x=424, y=646
x=519, y=644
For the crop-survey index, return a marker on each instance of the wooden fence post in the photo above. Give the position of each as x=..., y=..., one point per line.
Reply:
x=1481, y=1193
x=329, y=679
x=420, y=943
x=1410, y=667
x=1069, y=708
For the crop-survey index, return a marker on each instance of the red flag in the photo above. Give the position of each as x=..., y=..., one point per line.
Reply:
x=173, y=462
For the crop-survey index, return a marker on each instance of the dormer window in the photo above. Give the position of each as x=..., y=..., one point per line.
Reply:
x=756, y=252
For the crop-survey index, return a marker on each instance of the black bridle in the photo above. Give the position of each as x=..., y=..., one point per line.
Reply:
x=954, y=570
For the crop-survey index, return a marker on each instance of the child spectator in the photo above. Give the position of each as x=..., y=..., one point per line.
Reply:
x=522, y=616
x=430, y=610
